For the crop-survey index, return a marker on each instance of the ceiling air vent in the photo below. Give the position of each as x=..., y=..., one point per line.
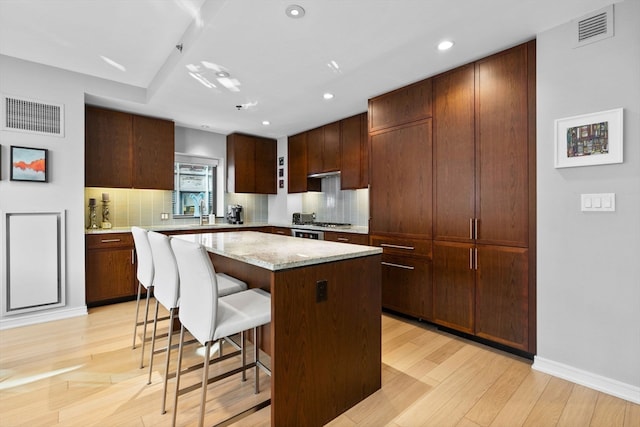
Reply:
x=25, y=115
x=595, y=27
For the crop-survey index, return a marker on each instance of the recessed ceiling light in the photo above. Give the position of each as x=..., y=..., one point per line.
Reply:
x=328, y=95
x=266, y=122
x=445, y=45
x=294, y=11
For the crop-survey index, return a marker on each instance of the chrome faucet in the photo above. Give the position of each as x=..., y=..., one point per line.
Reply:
x=201, y=212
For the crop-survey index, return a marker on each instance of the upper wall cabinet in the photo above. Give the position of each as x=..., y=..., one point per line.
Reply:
x=401, y=106
x=323, y=146
x=354, y=152
x=124, y=150
x=251, y=164
x=338, y=146
x=297, y=176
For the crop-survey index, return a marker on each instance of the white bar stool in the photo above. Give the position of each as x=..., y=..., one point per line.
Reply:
x=209, y=318
x=144, y=274
x=166, y=291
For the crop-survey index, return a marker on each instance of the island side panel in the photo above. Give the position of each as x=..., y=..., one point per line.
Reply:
x=326, y=356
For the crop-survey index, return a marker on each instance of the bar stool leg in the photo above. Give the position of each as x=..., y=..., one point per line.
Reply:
x=256, y=358
x=175, y=397
x=205, y=381
x=166, y=363
x=243, y=354
x=135, y=325
x=144, y=326
x=153, y=341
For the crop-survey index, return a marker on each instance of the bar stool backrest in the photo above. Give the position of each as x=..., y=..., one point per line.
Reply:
x=145, y=271
x=166, y=282
x=198, y=289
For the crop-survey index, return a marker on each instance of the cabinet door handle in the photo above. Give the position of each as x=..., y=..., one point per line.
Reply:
x=475, y=258
x=475, y=228
x=133, y=256
x=388, y=245
x=470, y=258
x=390, y=264
x=343, y=239
x=471, y=228
x=109, y=240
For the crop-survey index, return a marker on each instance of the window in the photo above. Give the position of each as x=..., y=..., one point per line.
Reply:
x=196, y=186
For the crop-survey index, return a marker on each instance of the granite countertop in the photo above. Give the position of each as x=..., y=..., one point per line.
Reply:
x=196, y=227
x=274, y=252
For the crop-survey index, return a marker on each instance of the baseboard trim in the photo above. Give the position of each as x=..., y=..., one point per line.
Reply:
x=588, y=379
x=42, y=317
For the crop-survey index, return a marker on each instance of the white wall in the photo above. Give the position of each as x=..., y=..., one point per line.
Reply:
x=589, y=263
x=65, y=189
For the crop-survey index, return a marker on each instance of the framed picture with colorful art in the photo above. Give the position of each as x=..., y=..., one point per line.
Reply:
x=589, y=139
x=29, y=164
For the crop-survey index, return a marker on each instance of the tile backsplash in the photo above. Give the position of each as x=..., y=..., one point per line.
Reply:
x=144, y=207
x=129, y=207
x=336, y=205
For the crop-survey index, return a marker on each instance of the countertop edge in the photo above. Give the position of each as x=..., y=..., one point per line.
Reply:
x=203, y=228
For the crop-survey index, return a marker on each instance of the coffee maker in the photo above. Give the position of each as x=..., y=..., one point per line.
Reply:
x=234, y=214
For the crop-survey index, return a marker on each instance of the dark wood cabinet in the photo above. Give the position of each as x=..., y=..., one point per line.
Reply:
x=454, y=155
x=283, y=231
x=109, y=268
x=502, y=295
x=400, y=181
x=298, y=181
x=251, y=164
x=324, y=149
x=454, y=285
x=400, y=192
x=153, y=153
x=484, y=198
x=406, y=275
x=406, y=285
x=354, y=238
x=502, y=147
x=125, y=150
x=354, y=152
x=401, y=106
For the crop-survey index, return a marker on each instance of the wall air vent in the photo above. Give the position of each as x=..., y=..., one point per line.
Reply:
x=27, y=115
x=594, y=27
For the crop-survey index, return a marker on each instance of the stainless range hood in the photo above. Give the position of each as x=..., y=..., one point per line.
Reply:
x=323, y=174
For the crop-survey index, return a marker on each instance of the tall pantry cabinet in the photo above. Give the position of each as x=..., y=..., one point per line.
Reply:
x=452, y=197
x=400, y=178
x=484, y=198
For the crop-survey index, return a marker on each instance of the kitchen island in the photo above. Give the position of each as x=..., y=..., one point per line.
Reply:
x=325, y=331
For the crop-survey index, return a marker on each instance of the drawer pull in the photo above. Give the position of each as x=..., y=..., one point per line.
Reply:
x=109, y=240
x=343, y=239
x=388, y=245
x=390, y=264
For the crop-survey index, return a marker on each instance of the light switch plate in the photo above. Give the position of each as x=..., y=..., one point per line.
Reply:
x=600, y=202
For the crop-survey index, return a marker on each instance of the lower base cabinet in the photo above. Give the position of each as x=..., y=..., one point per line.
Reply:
x=502, y=295
x=406, y=275
x=454, y=286
x=482, y=290
x=109, y=267
x=354, y=238
x=406, y=285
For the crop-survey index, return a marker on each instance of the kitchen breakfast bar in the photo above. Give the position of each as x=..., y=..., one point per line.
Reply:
x=324, y=339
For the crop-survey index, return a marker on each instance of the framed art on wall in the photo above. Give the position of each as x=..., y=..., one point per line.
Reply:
x=28, y=164
x=589, y=139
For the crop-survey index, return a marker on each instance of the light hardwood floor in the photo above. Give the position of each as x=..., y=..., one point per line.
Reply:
x=83, y=372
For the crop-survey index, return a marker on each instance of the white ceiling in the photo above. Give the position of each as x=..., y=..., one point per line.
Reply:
x=281, y=63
